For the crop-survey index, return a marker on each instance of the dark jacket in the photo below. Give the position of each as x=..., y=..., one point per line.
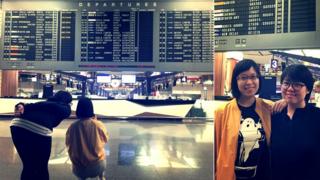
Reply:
x=46, y=113
x=295, y=145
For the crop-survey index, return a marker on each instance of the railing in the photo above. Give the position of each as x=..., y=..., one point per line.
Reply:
x=136, y=118
x=154, y=118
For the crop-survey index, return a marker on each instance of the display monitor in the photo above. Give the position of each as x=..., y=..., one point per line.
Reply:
x=126, y=78
x=103, y=78
x=34, y=79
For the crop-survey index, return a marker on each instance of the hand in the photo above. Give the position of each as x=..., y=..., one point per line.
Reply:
x=18, y=109
x=279, y=106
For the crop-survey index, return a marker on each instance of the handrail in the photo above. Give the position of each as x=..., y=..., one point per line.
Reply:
x=137, y=118
x=172, y=118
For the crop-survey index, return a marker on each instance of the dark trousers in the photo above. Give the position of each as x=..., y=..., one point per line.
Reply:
x=34, y=151
x=93, y=170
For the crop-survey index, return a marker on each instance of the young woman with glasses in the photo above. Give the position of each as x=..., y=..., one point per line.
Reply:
x=242, y=128
x=295, y=137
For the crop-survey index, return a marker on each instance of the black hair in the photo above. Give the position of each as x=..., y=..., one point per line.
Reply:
x=61, y=96
x=17, y=105
x=299, y=73
x=240, y=67
x=85, y=108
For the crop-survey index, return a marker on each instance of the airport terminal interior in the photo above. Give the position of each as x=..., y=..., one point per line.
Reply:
x=155, y=70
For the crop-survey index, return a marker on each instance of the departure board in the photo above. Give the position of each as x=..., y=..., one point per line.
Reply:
x=76, y=35
x=247, y=17
x=303, y=15
x=239, y=22
x=39, y=35
x=117, y=36
x=244, y=17
x=185, y=36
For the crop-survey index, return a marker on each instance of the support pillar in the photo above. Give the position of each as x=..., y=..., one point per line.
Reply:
x=219, y=75
x=9, y=83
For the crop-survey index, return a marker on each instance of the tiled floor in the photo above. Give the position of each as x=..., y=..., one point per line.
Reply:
x=137, y=150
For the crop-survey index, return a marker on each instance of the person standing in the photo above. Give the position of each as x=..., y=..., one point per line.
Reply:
x=85, y=140
x=295, y=137
x=317, y=93
x=31, y=132
x=242, y=128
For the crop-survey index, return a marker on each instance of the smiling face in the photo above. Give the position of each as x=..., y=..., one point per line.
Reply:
x=248, y=83
x=296, y=84
x=294, y=92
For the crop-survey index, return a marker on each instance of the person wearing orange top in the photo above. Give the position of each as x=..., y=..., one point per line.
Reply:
x=242, y=128
x=85, y=140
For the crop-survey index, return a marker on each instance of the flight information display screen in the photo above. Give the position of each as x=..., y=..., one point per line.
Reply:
x=147, y=35
x=119, y=36
x=39, y=35
x=281, y=24
x=245, y=18
x=185, y=36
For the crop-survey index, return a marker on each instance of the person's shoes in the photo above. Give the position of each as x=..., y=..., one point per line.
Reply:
x=102, y=176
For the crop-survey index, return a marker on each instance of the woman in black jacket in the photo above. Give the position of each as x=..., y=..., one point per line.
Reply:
x=295, y=136
x=31, y=132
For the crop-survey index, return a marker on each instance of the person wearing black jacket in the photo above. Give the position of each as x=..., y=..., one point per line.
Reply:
x=31, y=132
x=295, y=136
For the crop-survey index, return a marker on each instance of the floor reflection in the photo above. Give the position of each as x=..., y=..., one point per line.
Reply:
x=136, y=150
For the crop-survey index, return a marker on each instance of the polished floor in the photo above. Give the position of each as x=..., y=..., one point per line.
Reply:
x=137, y=150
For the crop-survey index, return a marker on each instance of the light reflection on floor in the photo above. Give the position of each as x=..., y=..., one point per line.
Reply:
x=136, y=150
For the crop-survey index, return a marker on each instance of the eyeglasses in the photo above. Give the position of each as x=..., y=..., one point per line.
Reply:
x=246, y=78
x=295, y=85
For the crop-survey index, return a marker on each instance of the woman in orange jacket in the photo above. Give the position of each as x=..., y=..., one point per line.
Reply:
x=242, y=128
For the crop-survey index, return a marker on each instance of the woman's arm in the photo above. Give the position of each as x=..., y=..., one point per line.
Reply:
x=68, y=136
x=276, y=107
x=104, y=135
x=218, y=115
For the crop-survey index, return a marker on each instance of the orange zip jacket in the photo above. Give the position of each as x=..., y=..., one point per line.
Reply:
x=85, y=140
x=226, y=131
